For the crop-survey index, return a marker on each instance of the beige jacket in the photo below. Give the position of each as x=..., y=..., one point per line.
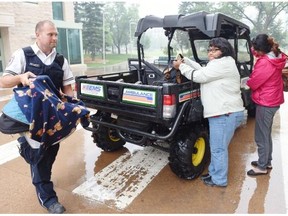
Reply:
x=220, y=85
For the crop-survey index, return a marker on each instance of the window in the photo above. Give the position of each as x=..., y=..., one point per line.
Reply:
x=62, y=42
x=69, y=44
x=57, y=8
x=74, y=46
x=243, y=49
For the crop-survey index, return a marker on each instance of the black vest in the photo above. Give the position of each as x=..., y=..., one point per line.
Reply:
x=36, y=66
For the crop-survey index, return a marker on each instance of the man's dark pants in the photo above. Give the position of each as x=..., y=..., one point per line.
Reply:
x=41, y=166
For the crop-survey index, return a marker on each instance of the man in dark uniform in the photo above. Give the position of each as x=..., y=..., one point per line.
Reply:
x=25, y=64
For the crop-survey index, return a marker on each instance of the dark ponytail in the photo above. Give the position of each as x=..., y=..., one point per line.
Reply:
x=266, y=44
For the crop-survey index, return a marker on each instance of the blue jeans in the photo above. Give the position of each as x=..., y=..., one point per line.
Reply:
x=41, y=165
x=222, y=129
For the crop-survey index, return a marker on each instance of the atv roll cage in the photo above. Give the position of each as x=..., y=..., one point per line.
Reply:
x=199, y=26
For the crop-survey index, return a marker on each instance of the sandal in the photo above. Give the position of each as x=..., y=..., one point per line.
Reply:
x=256, y=172
x=255, y=164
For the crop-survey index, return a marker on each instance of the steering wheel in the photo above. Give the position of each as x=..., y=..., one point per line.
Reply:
x=203, y=63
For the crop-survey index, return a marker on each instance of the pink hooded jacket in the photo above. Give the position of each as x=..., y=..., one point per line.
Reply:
x=266, y=80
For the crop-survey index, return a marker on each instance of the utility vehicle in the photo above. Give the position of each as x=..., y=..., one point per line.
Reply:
x=140, y=107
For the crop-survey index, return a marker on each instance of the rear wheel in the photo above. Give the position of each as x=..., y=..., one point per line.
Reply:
x=189, y=153
x=251, y=110
x=106, y=138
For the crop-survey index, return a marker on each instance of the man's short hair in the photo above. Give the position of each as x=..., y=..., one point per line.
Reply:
x=40, y=24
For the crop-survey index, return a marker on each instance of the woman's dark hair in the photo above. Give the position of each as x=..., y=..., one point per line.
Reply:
x=224, y=45
x=266, y=44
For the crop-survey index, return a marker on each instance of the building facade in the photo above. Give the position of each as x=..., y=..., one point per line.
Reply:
x=17, y=30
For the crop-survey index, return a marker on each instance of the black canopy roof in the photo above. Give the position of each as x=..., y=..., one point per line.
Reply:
x=200, y=25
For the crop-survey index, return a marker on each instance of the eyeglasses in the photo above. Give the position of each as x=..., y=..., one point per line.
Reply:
x=212, y=50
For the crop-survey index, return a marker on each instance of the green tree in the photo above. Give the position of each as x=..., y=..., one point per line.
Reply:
x=146, y=41
x=120, y=19
x=90, y=14
x=192, y=7
x=265, y=17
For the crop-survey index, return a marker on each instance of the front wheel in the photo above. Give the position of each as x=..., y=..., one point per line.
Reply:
x=106, y=138
x=189, y=153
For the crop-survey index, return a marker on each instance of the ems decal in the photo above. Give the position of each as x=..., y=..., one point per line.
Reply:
x=92, y=89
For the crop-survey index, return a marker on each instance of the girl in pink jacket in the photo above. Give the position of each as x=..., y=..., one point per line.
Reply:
x=267, y=93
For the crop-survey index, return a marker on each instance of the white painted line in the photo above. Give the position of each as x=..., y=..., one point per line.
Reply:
x=284, y=147
x=9, y=151
x=5, y=98
x=284, y=150
x=249, y=184
x=118, y=184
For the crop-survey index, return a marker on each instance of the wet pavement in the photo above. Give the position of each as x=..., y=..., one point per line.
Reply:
x=82, y=172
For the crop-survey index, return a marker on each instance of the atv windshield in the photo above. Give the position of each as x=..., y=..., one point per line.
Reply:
x=202, y=45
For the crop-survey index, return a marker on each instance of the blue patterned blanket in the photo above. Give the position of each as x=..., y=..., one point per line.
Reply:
x=52, y=116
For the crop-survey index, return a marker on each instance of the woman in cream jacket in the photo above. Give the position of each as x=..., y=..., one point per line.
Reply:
x=223, y=105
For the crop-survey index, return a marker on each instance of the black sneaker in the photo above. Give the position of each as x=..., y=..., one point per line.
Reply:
x=56, y=208
x=255, y=164
x=208, y=181
x=205, y=176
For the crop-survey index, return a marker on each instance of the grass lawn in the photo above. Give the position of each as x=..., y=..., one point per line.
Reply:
x=110, y=59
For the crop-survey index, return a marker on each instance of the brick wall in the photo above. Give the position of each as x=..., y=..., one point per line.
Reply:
x=26, y=15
